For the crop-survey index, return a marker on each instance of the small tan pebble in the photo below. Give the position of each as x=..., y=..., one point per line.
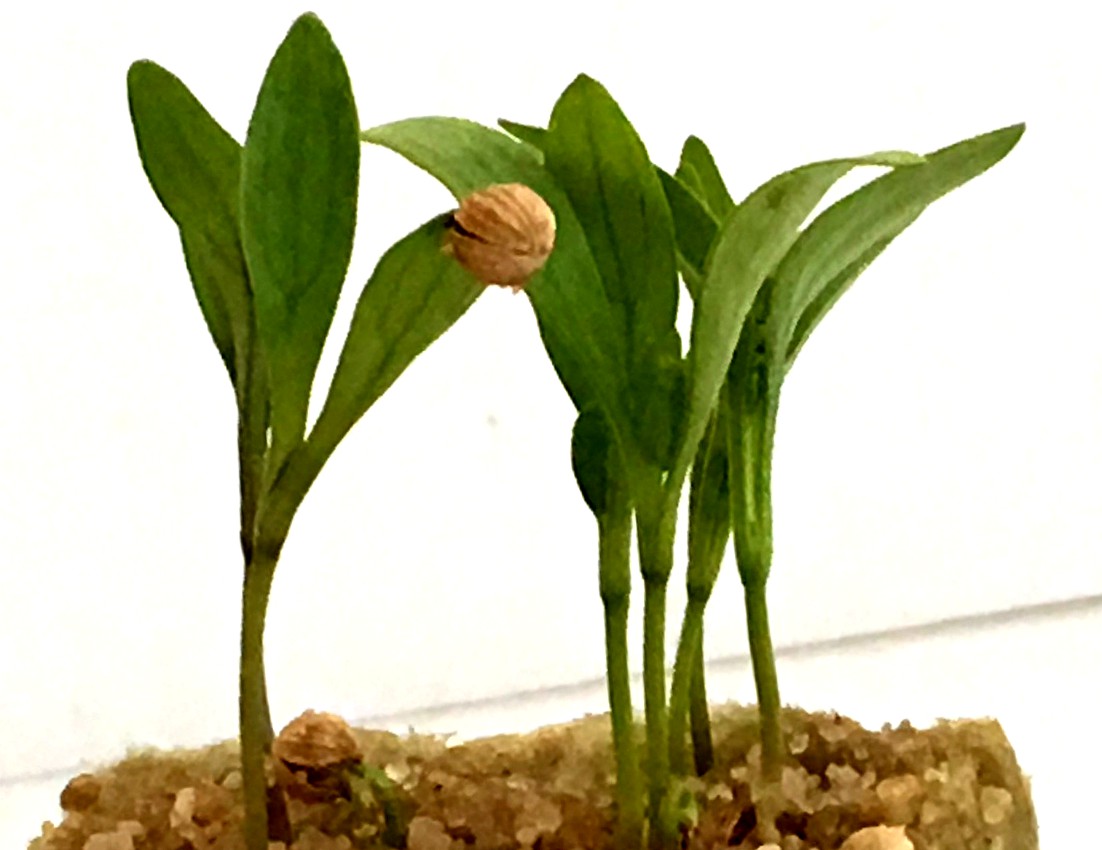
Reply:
x=442, y=778
x=211, y=803
x=796, y=785
x=313, y=838
x=132, y=827
x=316, y=739
x=81, y=793
x=539, y=816
x=109, y=841
x=879, y=838
x=502, y=234
x=995, y=804
x=901, y=797
x=845, y=783
x=542, y=814
x=720, y=792
x=938, y=775
x=769, y=847
x=398, y=772
x=929, y=813
x=183, y=808
x=233, y=781
x=427, y=834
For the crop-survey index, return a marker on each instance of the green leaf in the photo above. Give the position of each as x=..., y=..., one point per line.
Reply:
x=709, y=506
x=194, y=167
x=534, y=136
x=660, y=402
x=697, y=170
x=750, y=243
x=574, y=316
x=414, y=295
x=596, y=156
x=300, y=173
x=828, y=295
x=695, y=228
x=753, y=399
x=844, y=239
x=826, y=258
x=594, y=459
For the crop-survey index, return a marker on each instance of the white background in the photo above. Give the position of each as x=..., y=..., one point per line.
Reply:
x=937, y=454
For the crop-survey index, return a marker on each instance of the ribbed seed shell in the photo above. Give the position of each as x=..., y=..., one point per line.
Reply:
x=502, y=234
x=316, y=739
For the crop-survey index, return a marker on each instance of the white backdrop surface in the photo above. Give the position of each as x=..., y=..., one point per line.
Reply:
x=937, y=454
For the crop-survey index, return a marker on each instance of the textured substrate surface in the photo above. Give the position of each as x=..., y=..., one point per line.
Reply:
x=956, y=786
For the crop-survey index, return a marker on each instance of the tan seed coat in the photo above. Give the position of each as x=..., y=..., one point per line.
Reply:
x=502, y=234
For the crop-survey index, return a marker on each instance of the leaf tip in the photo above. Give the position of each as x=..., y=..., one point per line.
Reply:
x=308, y=19
x=584, y=85
x=142, y=72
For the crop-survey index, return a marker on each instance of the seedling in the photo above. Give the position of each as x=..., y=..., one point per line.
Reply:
x=267, y=232
x=733, y=469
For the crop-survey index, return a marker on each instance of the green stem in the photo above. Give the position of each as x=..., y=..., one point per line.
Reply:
x=765, y=680
x=252, y=445
x=255, y=723
x=700, y=722
x=688, y=648
x=629, y=779
x=615, y=585
x=252, y=424
x=654, y=693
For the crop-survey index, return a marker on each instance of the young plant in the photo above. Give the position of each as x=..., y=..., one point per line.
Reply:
x=591, y=361
x=267, y=232
x=733, y=469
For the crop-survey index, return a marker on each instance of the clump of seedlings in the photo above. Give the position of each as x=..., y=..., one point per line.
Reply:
x=267, y=230
x=601, y=240
x=650, y=412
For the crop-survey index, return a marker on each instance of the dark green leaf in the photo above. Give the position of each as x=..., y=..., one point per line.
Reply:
x=574, y=316
x=697, y=170
x=599, y=160
x=194, y=167
x=709, y=507
x=830, y=253
x=661, y=383
x=414, y=295
x=660, y=402
x=534, y=136
x=300, y=173
x=594, y=459
x=695, y=227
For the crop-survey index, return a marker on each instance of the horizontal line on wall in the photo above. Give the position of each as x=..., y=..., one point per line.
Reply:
x=424, y=715
x=801, y=650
